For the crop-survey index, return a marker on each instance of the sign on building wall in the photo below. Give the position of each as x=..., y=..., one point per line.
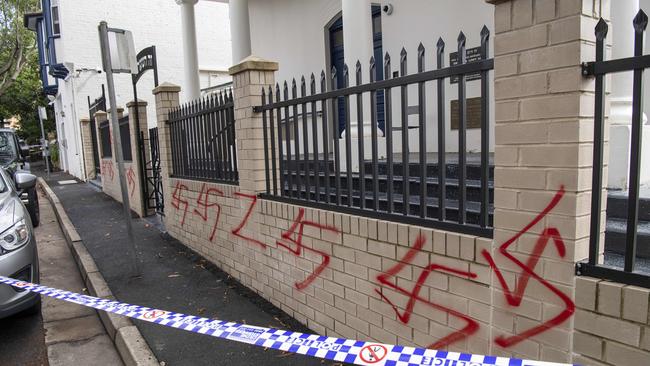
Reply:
x=472, y=54
x=473, y=113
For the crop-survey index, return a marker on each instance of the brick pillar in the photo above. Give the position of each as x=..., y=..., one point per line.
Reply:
x=100, y=116
x=137, y=198
x=167, y=97
x=543, y=150
x=249, y=78
x=87, y=146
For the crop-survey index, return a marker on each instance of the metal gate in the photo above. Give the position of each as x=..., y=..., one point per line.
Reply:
x=152, y=187
x=93, y=107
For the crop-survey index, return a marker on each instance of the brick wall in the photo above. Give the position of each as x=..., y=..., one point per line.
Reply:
x=333, y=285
x=612, y=324
x=108, y=165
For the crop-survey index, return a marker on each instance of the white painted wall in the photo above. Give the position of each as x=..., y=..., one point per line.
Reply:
x=293, y=33
x=153, y=22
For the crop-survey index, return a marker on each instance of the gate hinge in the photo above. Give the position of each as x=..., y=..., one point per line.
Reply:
x=588, y=69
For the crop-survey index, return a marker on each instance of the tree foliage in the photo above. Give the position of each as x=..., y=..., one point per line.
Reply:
x=16, y=42
x=21, y=90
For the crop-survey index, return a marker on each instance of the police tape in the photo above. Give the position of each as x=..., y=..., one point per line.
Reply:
x=330, y=348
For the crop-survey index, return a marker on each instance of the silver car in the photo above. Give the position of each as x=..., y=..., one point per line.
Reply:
x=18, y=255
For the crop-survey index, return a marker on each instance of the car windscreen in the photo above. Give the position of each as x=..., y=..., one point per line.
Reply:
x=8, y=148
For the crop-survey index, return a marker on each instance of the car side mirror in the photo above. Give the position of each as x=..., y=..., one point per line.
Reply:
x=24, y=152
x=25, y=181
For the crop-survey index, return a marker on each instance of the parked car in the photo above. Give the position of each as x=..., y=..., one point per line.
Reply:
x=12, y=159
x=18, y=254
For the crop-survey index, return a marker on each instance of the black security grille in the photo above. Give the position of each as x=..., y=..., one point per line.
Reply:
x=203, y=139
x=307, y=161
x=105, y=139
x=125, y=137
x=599, y=69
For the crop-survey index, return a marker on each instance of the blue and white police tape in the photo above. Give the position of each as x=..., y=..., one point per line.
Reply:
x=330, y=348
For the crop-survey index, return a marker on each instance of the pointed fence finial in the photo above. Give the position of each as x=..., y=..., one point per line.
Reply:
x=640, y=21
x=440, y=45
x=601, y=29
x=485, y=33
x=461, y=39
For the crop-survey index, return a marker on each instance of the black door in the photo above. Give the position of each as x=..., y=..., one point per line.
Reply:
x=338, y=61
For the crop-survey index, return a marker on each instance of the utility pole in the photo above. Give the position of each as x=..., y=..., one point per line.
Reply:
x=117, y=145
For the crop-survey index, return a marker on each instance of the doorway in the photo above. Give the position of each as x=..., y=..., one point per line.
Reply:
x=337, y=60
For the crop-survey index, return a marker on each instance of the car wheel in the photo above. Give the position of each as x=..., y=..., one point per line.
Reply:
x=32, y=207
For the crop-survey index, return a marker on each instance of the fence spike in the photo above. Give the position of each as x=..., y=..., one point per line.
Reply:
x=440, y=45
x=601, y=29
x=312, y=84
x=277, y=91
x=386, y=62
x=461, y=39
x=403, y=54
x=334, y=76
x=372, y=70
x=323, y=85
x=346, y=75
x=303, y=86
x=358, y=73
x=286, y=90
x=485, y=34
x=640, y=21
x=294, y=89
x=421, y=52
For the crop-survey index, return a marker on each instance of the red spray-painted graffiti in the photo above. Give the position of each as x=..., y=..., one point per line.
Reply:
x=414, y=294
x=204, y=201
x=106, y=169
x=237, y=231
x=299, y=224
x=177, y=200
x=515, y=297
x=130, y=176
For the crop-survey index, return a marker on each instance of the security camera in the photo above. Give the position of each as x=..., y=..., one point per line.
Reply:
x=98, y=69
x=388, y=9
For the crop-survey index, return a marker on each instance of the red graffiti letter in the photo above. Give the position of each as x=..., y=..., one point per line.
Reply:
x=204, y=201
x=414, y=294
x=515, y=297
x=236, y=231
x=177, y=199
x=130, y=175
x=300, y=224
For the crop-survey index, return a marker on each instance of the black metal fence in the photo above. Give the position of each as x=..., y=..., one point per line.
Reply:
x=105, y=139
x=599, y=69
x=203, y=139
x=125, y=138
x=319, y=167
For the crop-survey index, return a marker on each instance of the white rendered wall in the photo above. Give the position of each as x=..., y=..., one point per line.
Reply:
x=293, y=33
x=153, y=22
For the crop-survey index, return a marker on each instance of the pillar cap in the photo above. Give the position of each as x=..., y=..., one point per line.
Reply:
x=136, y=103
x=100, y=113
x=495, y=2
x=119, y=110
x=253, y=63
x=166, y=88
x=85, y=120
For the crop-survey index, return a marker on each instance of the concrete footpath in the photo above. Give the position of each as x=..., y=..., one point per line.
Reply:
x=74, y=334
x=173, y=278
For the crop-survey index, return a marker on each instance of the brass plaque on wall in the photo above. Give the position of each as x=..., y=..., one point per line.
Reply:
x=473, y=113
